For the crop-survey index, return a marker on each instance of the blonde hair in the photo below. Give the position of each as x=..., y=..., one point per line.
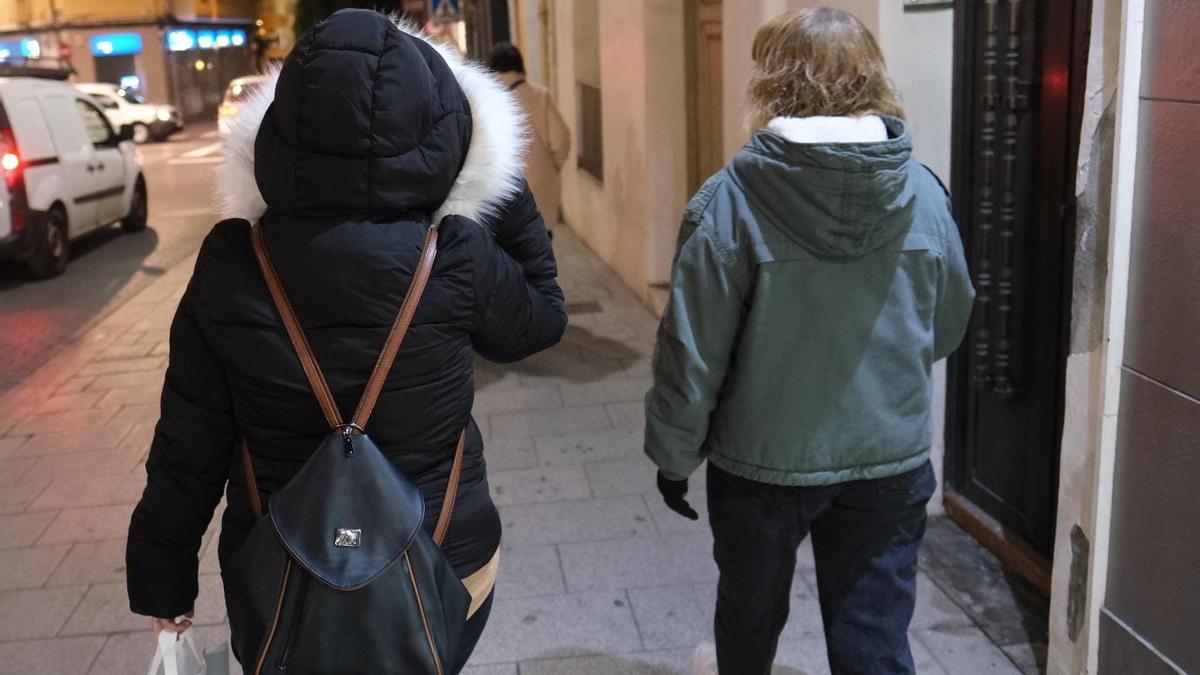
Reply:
x=818, y=61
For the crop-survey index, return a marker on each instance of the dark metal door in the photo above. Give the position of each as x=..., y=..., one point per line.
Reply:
x=1016, y=126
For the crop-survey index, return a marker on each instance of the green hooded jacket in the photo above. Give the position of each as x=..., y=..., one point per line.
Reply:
x=814, y=287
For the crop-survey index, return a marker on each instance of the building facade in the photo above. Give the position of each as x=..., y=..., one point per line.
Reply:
x=183, y=52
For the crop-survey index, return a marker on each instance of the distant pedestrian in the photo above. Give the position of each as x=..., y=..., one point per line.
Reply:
x=374, y=162
x=550, y=139
x=819, y=277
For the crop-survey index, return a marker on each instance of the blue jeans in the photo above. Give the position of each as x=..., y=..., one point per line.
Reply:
x=865, y=540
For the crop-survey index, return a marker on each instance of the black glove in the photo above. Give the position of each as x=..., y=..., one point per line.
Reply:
x=674, y=492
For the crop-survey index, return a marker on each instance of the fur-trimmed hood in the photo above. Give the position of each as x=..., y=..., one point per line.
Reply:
x=365, y=117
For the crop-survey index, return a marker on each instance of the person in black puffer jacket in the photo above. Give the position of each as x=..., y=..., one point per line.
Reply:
x=367, y=135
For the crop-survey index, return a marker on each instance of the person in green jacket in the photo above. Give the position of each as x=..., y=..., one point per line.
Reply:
x=818, y=278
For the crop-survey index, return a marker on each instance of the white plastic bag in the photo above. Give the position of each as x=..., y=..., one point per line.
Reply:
x=177, y=655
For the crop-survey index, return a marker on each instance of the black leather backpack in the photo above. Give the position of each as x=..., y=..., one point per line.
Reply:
x=339, y=576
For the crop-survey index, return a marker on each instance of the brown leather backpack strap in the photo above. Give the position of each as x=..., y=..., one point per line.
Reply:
x=309, y=362
x=399, y=329
x=443, y=521
x=251, y=481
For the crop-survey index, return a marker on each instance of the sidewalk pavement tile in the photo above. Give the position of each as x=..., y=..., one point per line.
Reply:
x=105, y=609
x=78, y=401
x=565, y=522
x=131, y=653
x=637, y=563
x=529, y=572
x=152, y=379
x=1029, y=658
x=550, y=423
x=22, y=568
x=12, y=471
x=516, y=400
x=87, y=464
x=633, y=475
x=675, y=662
x=616, y=391
x=9, y=446
x=52, y=442
x=576, y=371
x=966, y=650
x=135, y=365
x=130, y=348
x=74, y=385
x=83, y=492
x=23, y=529
x=538, y=485
x=496, y=669
x=503, y=454
x=589, y=446
x=93, y=562
x=98, y=523
x=36, y=613
x=136, y=396
x=935, y=609
x=17, y=498
x=66, y=420
x=62, y=656
x=628, y=415
x=558, y=625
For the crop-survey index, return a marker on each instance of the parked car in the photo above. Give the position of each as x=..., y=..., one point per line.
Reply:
x=150, y=122
x=64, y=170
x=235, y=94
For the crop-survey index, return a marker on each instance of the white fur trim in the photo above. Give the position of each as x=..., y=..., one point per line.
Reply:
x=491, y=173
x=867, y=129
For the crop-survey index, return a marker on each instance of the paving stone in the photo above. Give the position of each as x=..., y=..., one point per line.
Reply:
x=125, y=351
x=9, y=446
x=17, y=498
x=38, y=613
x=639, y=663
x=23, y=529
x=496, y=669
x=628, y=415
x=616, y=391
x=923, y=659
x=935, y=609
x=516, y=400
x=637, y=563
x=802, y=656
x=130, y=653
x=539, y=485
x=577, y=371
x=560, y=625
x=105, y=609
x=591, y=446
x=87, y=464
x=152, y=379
x=67, y=420
x=633, y=475
x=22, y=568
x=966, y=650
x=576, y=521
x=62, y=656
x=74, y=385
x=1030, y=659
x=529, y=571
x=98, y=523
x=51, y=442
x=136, y=396
x=77, y=401
x=15, y=469
x=99, y=562
x=103, y=491
x=130, y=415
x=509, y=453
x=136, y=365
x=675, y=616
x=550, y=423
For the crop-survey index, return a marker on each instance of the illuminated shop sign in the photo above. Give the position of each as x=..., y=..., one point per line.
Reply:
x=186, y=39
x=25, y=48
x=116, y=44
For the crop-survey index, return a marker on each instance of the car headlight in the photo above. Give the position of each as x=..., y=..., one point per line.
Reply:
x=163, y=114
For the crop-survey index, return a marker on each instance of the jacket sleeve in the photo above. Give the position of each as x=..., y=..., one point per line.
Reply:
x=956, y=297
x=186, y=472
x=696, y=340
x=559, y=134
x=521, y=308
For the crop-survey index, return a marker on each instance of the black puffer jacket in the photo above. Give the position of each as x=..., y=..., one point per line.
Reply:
x=369, y=136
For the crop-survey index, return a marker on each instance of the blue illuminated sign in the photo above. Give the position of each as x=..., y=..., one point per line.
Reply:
x=186, y=39
x=116, y=44
x=31, y=49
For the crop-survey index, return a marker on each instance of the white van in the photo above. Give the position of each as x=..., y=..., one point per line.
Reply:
x=64, y=170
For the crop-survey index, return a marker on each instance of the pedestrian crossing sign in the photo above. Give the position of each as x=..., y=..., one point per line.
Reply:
x=444, y=11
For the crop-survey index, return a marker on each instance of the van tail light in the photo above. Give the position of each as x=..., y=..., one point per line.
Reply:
x=10, y=161
x=18, y=220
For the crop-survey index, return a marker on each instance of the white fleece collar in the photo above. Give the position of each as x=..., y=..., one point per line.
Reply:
x=491, y=173
x=867, y=129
